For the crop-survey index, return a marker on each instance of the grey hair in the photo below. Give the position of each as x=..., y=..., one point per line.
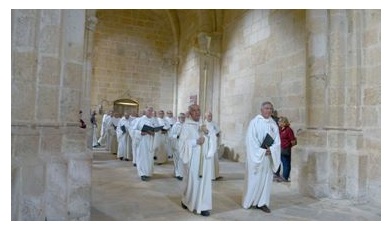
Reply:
x=267, y=103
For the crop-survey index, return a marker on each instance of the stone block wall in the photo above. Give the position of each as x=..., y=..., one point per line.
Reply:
x=189, y=62
x=263, y=58
x=50, y=162
x=321, y=69
x=343, y=105
x=133, y=59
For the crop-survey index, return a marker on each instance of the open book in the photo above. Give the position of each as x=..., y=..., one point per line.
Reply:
x=268, y=141
x=147, y=128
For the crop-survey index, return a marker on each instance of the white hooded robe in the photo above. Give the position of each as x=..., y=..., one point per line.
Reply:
x=259, y=167
x=197, y=192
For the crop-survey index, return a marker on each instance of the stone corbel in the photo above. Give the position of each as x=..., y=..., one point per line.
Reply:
x=203, y=44
x=91, y=23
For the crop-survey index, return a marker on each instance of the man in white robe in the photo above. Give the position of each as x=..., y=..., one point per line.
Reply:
x=123, y=138
x=213, y=126
x=103, y=139
x=93, y=121
x=113, y=135
x=174, y=136
x=145, y=151
x=261, y=163
x=135, y=138
x=197, y=147
x=170, y=141
x=160, y=139
x=109, y=136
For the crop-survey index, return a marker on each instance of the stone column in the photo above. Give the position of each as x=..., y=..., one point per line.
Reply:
x=91, y=22
x=50, y=163
x=313, y=175
x=335, y=162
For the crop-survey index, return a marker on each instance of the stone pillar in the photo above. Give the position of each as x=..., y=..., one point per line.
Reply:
x=50, y=162
x=335, y=162
x=91, y=22
x=313, y=165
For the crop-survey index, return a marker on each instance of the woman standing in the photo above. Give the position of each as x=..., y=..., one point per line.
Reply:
x=287, y=140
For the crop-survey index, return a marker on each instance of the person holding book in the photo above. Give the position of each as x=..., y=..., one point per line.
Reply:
x=145, y=153
x=262, y=159
x=160, y=140
x=123, y=138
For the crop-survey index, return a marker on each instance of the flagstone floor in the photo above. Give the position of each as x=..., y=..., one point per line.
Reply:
x=118, y=194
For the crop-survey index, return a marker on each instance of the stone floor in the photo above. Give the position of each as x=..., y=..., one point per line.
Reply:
x=118, y=194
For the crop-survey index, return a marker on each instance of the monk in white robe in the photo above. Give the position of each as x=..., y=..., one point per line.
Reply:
x=174, y=136
x=145, y=151
x=108, y=129
x=170, y=141
x=160, y=139
x=113, y=128
x=261, y=163
x=213, y=126
x=123, y=138
x=103, y=139
x=93, y=121
x=197, y=147
x=135, y=138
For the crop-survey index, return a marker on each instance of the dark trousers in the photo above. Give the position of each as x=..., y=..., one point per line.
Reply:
x=285, y=158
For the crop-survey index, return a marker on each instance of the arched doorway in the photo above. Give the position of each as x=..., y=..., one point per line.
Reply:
x=126, y=105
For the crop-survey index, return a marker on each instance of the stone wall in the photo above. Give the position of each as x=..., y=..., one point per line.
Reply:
x=341, y=149
x=50, y=161
x=133, y=58
x=199, y=60
x=189, y=63
x=321, y=69
x=263, y=58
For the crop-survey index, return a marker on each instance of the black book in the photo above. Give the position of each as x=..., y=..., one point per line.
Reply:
x=123, y=129
x=268, y=141
x=147, y=128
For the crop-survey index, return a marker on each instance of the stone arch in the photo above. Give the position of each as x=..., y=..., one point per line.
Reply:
x=126, y=105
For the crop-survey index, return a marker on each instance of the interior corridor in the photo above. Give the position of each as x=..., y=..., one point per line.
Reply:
x=118, y=194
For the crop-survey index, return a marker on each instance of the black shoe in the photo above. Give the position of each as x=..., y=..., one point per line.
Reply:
x=278, y=179
x=264, y=208
x=205, y=213
x=184, y=206
x=179, y=177
x=218, y=178
x=121, y=158
x=134, y=164
x=126, y=159
x=144, y=178
x=99, y=144
x=160, y=164
x=155, y=158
